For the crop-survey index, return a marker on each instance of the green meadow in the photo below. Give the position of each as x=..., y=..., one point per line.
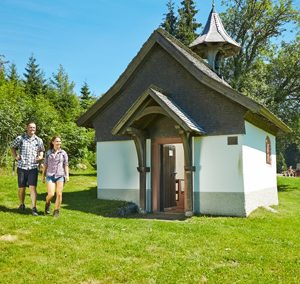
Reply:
x=89, y=243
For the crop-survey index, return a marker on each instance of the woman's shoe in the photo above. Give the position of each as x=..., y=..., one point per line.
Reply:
x=47, y=208
x=56, y=213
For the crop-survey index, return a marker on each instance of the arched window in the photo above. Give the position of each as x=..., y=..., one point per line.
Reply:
x=268, y=151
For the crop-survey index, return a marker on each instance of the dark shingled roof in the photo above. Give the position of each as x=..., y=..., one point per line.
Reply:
x=194, y=64
x=214, y=32
x=168, y=106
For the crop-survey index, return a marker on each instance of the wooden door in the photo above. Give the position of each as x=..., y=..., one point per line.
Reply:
x=168, y=178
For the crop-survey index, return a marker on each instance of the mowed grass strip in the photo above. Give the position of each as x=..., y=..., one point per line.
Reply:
x=85, y=245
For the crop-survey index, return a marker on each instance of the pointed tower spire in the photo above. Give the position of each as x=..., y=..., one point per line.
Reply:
x=214, y=43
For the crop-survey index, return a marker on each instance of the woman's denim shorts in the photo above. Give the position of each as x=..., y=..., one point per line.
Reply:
x=54, y=179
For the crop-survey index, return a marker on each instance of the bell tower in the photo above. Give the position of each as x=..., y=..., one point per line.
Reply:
x=214, y=43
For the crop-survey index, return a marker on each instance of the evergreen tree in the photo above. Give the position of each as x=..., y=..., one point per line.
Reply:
x=86, y=99
x=2, y=69
x=187, y=24
x=34, y=79
x=65, y=99
x=13, y=74
x=54, y=111
x=170, y=20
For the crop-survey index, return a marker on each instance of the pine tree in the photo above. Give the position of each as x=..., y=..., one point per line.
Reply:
x=34, y=78
x=2, y=69
x=86, y=99
x=170, y=20
x=66, y=101
x=13, y=74
x=187, y=24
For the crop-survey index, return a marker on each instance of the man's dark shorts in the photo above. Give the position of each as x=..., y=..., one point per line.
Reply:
x=27, y=177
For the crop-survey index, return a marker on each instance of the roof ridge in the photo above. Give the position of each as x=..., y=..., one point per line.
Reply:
x=218, y=26
x=183, y=46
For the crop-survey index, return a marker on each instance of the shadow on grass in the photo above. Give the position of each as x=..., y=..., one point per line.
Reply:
x=86, y=201
x=83, y=201
x=17, y=211
x=93, y=174
x=286, y=188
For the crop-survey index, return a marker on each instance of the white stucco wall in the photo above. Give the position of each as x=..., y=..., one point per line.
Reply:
x=234, y=179
x=218, y=177
x=260, y=181
x=218, y=165
x=257, y=173
x=117, y=174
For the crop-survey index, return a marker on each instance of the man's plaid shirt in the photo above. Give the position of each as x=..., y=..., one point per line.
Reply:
x=29, y=149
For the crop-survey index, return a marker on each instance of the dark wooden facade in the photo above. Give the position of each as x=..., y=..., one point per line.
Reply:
x=212, y=111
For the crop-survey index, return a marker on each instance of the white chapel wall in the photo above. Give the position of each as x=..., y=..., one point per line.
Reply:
x=218, y=177
x=218, y=165
x=117, y=174
x=260, y=180
x=257, y=173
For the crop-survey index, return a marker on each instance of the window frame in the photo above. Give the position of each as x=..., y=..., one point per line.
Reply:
x=268, y=151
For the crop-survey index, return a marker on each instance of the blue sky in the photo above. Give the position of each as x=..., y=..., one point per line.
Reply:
x=94, y=40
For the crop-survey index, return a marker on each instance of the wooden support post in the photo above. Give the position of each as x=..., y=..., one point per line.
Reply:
x=189, y=168
x=139, y=138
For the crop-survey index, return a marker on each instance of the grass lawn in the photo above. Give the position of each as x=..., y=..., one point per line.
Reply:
x=83, y=245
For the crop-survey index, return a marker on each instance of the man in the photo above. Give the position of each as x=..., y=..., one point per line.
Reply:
x=28, y=149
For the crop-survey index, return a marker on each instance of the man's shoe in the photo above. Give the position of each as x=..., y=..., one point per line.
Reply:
x=47, y=208
x=21, y=208
x=56, y=213
x=34, y=211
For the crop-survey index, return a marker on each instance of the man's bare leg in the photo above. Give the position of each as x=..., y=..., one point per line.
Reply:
x=21, y=195
x=33, y=195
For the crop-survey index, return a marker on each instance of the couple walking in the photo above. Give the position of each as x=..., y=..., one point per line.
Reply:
x=28, y=150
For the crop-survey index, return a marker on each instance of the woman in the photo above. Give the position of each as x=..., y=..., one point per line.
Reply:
x=55, y=173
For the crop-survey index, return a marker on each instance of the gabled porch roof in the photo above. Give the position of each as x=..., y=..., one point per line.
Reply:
x=163, y=105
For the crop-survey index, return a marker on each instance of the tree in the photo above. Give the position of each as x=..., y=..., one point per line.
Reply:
x=2, y=69
x=268, y=73
x=282, y=78
x=170, y=21
x=34, y=78
x=281, y=164
x=275, y=83
x=12, y=112
x=13, y=74
x=65, y=99
x=253, y=24
x=75, y=141
x=187, y=24
x=46, y=117
x=86, y=99
x=53, y=105
x=283, y=97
